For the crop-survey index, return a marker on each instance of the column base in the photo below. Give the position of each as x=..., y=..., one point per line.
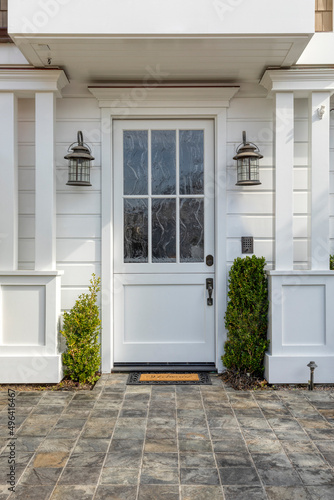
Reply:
x=31, y=369
x=294, y=370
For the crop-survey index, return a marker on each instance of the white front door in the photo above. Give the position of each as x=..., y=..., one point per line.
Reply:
x=163, y=241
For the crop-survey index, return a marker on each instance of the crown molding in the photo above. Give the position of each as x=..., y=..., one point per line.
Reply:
x=25, y=82
x=301, y=81
x=158, y=95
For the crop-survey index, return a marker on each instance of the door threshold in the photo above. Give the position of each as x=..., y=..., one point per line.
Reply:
x=164, y=367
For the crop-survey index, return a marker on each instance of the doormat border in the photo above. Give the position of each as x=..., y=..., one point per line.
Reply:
x=134, y=378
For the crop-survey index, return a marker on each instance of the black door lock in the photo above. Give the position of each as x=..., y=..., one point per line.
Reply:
x=209, y=260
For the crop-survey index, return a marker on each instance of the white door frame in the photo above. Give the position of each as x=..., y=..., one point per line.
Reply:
x=163, y=102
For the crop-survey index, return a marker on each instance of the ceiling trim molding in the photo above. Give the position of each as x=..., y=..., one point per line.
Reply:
x=152, y=94
x=300, y=81
x=25, y=82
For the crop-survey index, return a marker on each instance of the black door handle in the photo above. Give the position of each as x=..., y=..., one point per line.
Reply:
x=209, y=287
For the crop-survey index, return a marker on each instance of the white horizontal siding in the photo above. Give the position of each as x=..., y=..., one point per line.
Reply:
x=250, y=210
x=79, y=202
x=78, y=250
x=78, y=226
x=78, y=274
x=78, y=219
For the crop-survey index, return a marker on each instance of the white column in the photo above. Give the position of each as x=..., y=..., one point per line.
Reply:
x=45, y=254
x=284, y=130
x=8, y=182
x=319, y=161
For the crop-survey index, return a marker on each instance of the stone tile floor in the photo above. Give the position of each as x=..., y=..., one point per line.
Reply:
x=170, y=443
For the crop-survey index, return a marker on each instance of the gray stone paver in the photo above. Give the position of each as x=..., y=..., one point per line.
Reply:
x=171, y=442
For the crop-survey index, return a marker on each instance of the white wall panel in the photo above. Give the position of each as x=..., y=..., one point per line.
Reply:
x=78, y=274
x=78, y=109
x=70, y=295
x=66, y=131
x=78, y=226
x=249, y=108
x=300, y=250
x=26, y=155
x=301, y=130
x=250, y=225
x=26, y=249
x=262, y=248
x=26, y=131
x=78, y=209
x=331, y=162
x=301, y=154
x=249, y=203
x=331, y=228
x=300, y=201
x=27, y=226
x=300, y=178
x=251, y=209
x=82, y=202
x=20, y=302
x=301, y=108
x=27, y=179
x=26, y=108
x=300, y=226
x=26, y=202
x=78, y=250
x=257, y=131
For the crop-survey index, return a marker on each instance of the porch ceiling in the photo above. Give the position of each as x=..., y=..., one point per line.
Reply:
x=226, y=58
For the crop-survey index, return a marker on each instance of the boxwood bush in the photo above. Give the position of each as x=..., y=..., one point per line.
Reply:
x=81, y=330
x=246, y=317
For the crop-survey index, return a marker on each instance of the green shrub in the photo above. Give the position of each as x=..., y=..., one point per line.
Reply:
x=331, y=262
x=81, y=330
x=246, y=317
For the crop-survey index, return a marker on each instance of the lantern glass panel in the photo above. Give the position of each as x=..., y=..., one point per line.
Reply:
x=248, y=169
x=79, y=171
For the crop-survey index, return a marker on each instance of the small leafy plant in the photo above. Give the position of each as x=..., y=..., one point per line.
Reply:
x=331, y=262
x=81, y=330
x=246, y=318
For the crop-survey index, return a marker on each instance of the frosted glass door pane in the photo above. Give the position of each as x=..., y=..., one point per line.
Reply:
x=191, y=230
x=135, y=230
x=163, y=161
x=163, y=230
x=191, y=162
x=135, y=157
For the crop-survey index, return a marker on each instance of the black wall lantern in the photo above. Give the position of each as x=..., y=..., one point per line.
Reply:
x=248, y=155
x=79, y=163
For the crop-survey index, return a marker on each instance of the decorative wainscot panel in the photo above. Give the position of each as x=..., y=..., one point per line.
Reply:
x=300, y=326
x=30, y=309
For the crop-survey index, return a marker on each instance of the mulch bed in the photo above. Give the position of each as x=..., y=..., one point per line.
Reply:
x=65, y=385
x=240, y=381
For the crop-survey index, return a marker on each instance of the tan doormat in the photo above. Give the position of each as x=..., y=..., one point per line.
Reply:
x=164, y=378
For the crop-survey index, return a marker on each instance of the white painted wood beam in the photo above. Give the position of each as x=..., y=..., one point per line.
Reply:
x=284, y=134
x=319, y=161
x=45, y=241
x=9, y=182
